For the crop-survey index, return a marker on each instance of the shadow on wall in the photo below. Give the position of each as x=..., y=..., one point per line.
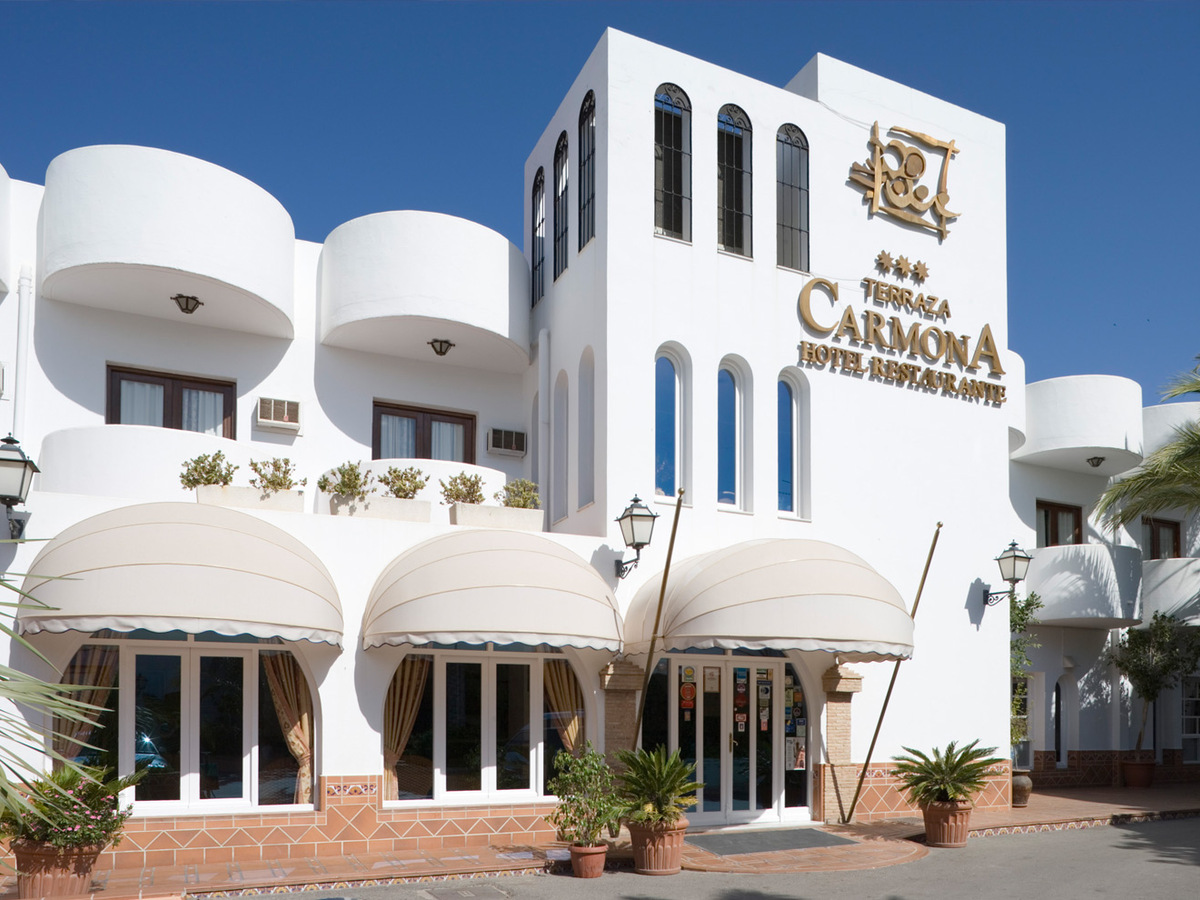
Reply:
x=976, y=602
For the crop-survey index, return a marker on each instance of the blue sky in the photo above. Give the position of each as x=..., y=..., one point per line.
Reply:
x=342, y=109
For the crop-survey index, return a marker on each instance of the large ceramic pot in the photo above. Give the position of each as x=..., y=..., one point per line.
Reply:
x=947, y=823
x=588, y=862
x=1137, y=773
x=44, y=870
x=1022, y=787
x=658, y=848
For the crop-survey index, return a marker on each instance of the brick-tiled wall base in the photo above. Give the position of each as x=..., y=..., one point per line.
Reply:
x=1102, y=768
x=881, y=799
x=349, y=820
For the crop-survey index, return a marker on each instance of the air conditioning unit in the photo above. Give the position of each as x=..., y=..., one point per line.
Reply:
x=501, y=442
x=278, y=415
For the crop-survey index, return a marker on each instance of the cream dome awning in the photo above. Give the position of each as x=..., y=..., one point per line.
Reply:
x=775, y=594
x=182, y=566
x=490, y=585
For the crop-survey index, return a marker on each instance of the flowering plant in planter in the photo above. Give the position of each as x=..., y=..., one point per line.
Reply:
x=73, y=807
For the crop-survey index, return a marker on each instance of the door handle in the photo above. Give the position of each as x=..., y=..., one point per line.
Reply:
x=732, y=742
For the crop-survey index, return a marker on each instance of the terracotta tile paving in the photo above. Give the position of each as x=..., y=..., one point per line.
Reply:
x=272, y=870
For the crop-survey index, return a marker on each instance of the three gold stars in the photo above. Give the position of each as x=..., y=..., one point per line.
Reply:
x=903, y=268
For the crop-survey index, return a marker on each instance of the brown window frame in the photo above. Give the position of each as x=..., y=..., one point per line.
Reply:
x=1176, y=537
x=173, y=386
x=1052, y=536
x=424, y=417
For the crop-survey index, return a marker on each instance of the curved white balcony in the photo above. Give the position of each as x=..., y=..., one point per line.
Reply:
x=130, y=461
x=5, y=230
x=393, y=281
x=1159, y=422
x=1086, y=585
x=1071, y=420
x=127, y=228
x=1172, y=586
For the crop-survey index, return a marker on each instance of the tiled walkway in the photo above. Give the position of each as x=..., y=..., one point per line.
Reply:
x=874, y=846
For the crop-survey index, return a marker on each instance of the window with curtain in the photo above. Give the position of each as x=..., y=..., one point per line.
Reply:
x=186, y=704
x=411, y=432
x=1058, y=523
x=791, y=198
x=672, y=162
x=1160, y=539
x=561, y=215
x=500, y=720
x=138, y=397
x=537, y=238
x=587, y=170
x=734, y=188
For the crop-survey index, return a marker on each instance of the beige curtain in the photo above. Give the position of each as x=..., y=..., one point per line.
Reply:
x=293, y=706
x=400, y=714
x=564, y=700
x=96, y=667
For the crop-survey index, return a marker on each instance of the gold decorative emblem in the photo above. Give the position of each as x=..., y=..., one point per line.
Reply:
x=895, y=191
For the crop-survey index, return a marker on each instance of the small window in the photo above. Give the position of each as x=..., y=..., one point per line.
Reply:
x=537, y=238
x=1160, y=539
x=587, y=170
x=672, y=162
x=1058, y=524
x=409, y=432
x=561, y=217
x=170, y=401
x=734, y=187
x=791, y=198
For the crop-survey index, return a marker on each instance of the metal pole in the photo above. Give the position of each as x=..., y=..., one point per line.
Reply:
x=849, y=817
x=662, y=590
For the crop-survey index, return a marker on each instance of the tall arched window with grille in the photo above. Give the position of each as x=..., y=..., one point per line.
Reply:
x=537, y=238
x=561, y=220
x=734, y=188
x=587, y=170
x=672, y=162
x=791, y=198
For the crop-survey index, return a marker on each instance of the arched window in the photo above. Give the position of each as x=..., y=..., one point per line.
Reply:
x=734, y=188
x=535, y=473
x=468, y=721
x=587, y=170
x=561, y=218
x=672, y=162
x=587, y=428
x=727, y=438
x=672, y=417
x=559, y=430
x=187, y=701
x=792, y=451
x=537, y=238
x=791, y=198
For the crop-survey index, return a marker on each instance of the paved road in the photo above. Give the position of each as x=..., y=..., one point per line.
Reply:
x=1150, y=860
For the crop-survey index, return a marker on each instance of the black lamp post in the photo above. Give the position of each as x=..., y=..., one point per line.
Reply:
x=1013, y=563
x=637, y=525
x=16, y=475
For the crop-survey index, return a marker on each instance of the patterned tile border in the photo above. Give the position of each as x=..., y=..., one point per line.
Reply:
x=351, y=790
x=1077, y=824
x=349, y=883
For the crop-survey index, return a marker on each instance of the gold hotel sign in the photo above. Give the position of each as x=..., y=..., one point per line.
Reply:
x=896, y=190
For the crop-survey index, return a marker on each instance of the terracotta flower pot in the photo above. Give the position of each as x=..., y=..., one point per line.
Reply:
x=658, y=848
x=588, y=862
x=44, y=870
x=947, y=823
x=1137, y=773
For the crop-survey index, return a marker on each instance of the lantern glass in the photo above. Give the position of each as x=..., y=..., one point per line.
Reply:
x=16, y=472
x=637, y=524
x=1013, y=563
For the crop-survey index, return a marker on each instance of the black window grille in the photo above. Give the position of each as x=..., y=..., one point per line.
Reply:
x=791, y=198
x=561, y=222
x=672, y=162
x=587, y=170
x=537, y=249
x=733, y=180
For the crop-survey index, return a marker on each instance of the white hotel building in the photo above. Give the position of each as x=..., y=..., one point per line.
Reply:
x=788, y=302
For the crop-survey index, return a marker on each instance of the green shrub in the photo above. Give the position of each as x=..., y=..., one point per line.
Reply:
x=520, y=493
x=587, y=803
x=350, y=481
x=277, y=474
x=953, y=775
x=207, y=468
x=655, y=787
x=462, y=488
x=404, y=483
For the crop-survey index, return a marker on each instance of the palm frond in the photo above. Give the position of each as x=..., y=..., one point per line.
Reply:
x=1169, y=478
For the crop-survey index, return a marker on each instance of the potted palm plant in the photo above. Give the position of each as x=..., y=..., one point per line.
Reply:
x=587, y=806
x=942, y=784
x=655, y=789
x=63, y=824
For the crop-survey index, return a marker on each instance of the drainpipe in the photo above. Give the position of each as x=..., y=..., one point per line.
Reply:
x=543, y=423
x=24, y=298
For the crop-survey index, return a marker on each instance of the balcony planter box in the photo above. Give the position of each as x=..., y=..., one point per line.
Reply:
x=477, y=515
x=375, y=507
x=250, y=498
